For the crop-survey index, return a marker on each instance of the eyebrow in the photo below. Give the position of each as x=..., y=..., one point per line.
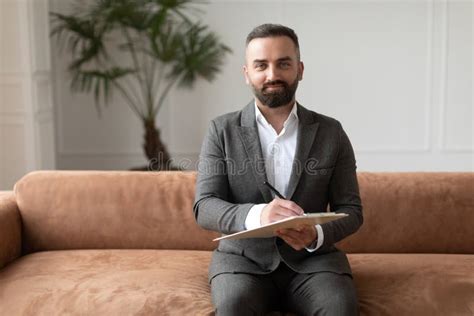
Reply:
x=286, y=58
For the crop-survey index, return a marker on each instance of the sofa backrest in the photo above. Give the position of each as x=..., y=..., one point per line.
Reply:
x=415, y=212
x=403, y=212
x=109, y=209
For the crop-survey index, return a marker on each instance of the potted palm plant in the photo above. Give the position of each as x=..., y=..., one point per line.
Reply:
x=140, y=49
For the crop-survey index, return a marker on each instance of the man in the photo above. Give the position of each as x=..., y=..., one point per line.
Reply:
x=308, y=158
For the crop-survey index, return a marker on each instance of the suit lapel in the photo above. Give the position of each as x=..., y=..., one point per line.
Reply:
x=307, y=130
x=248, y=132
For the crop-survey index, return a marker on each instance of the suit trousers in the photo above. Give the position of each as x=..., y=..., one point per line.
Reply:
x=321, y=293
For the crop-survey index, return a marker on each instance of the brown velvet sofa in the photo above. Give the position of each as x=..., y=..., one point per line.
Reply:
x=126, y=243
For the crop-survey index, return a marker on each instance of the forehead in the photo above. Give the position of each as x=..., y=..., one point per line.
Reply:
x=270, y=48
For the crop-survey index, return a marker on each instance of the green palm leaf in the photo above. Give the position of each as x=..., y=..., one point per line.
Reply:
x=199, y=55
x=98, y=81
x=164, y=47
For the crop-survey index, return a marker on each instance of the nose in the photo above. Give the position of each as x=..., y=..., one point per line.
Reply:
x=272, y=73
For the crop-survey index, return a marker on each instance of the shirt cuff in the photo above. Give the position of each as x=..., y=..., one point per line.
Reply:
x=253, y=217
x=319, y=240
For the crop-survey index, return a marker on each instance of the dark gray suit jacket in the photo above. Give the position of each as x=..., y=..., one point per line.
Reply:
x=230, y=181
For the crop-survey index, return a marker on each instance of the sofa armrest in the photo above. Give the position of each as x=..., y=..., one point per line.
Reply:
x=10, y=228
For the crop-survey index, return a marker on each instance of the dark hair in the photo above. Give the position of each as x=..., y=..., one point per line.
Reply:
x=274, y=30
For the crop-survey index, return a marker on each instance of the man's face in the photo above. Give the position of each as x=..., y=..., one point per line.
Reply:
x=272, y=70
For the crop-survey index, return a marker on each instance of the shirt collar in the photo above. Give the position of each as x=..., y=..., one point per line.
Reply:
x=292, y=116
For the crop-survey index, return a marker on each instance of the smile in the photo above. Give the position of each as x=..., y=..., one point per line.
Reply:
x=274, y=86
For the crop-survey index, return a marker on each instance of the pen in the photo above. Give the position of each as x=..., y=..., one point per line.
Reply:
x=274, y=190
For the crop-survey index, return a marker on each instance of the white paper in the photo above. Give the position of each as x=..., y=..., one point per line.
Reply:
x=268, y=230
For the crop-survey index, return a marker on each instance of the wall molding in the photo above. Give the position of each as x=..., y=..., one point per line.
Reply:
x=42, y=84
x=12, y=118
x=90, y=153
x=428, y=96
x=44, y=7
x=25, y=73
x=123, y=154
x=29, y=124
x=444, y=147
x=44, y=117
x=431, y=128
x=21, y=96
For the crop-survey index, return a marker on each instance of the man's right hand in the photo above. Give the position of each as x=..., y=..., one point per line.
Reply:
x=279, y=209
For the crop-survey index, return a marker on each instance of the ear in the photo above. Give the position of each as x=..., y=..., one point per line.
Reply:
x=246, y=74
x=300, y=70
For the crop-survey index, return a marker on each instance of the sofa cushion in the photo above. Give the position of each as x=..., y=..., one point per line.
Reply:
x=10, y=228
x=414, y=284
x=63, y=210
x=170, y=282
x=107, y=282
x=123, y=210
x=415, y=212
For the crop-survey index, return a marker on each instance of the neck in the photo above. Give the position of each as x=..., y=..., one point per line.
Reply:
x=276, y=116
x=280, y=112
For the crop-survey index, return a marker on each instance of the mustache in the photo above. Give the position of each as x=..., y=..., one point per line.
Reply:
x=274, y=83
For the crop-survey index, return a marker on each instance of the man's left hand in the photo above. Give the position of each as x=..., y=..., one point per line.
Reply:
x=298, y=238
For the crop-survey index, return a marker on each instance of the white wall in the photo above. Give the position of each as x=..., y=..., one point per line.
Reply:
x=26, y=108
x=397, y=74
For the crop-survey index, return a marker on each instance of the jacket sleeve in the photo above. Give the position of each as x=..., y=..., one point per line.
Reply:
x=213, y=208
x=343, y=194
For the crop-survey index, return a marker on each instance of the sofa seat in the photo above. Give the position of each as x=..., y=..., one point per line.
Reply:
x=107, y=282
x=412, y=256
x=165, y=282
x=414, y=284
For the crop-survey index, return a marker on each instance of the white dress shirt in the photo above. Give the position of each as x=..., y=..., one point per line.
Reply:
x=278, y=153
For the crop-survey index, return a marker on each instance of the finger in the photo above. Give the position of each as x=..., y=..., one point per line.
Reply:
x=272, y=213
x=289, y=205
x=304, y=238
x=288, y=239
x=279, y=213
x=294, y=234
x=293, y=243
x=305, y=228
x=278, y=216
x=285, y=213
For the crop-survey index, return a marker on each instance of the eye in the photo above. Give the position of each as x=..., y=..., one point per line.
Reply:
x=285, y=64
x=260, y=66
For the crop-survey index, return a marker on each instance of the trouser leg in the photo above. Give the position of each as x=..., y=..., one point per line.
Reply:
x=242, y=294
x=323, y=293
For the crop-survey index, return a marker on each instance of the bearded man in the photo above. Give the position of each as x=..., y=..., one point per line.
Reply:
x=305, y=156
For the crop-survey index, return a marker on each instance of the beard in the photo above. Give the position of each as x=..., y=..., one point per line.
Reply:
x=276, y=98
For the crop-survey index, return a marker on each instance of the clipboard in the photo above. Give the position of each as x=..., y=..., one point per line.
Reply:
x=268, y=230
